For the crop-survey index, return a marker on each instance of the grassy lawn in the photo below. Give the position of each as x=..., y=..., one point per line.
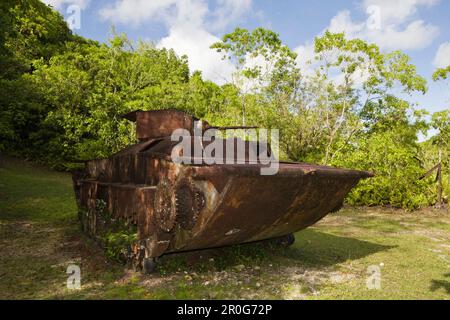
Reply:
x=40, y=237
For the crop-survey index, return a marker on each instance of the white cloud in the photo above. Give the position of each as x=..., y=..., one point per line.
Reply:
x=442, y=58
x=136, y=12
x=189, y=23
x=59, y=4
x=305, y=57
x=228, y=11
x=396, y=12
x=342, y=22
x=416, y=35
x=195, y=43
x=395, y=29
x=188, y=35
x=389, y=24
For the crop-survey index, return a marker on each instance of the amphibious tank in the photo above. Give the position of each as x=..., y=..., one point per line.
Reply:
x=142, y=202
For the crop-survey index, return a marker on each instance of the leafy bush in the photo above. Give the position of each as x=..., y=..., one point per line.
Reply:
x=392, y=158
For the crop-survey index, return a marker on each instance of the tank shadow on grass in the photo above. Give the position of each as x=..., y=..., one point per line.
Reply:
x=441, y=284
x=324, y=249
x=311, y=249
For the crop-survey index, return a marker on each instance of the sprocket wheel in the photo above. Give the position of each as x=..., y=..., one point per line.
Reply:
x=165, y=209
x=189, y=202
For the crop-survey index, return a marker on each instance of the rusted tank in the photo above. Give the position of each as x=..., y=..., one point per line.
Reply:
x=173, y=207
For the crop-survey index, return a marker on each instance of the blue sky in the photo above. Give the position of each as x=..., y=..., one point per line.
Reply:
x=417, y=27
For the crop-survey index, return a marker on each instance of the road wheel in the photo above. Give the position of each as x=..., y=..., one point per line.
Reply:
x=149, y=265
x=287, y=240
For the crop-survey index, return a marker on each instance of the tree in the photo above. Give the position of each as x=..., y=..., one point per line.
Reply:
x=370, y=127
x=29, y=30
x=440, y=121
x=339, y=110
x=359, y=79
x=441, y=73
x=88, y=87
x=264, y=66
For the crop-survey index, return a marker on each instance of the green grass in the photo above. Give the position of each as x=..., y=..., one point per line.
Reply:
x=40, y=237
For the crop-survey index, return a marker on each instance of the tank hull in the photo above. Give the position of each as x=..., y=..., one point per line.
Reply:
x=178, y=207
x=154, y=204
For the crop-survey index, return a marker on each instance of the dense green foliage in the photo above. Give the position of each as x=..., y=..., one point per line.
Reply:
x=89, y=87
x=29, y=32
x=61, y=98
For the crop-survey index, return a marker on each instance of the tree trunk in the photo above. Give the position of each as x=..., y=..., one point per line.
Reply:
x=439, y=203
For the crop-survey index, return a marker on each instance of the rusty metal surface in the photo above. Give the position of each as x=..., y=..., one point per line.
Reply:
x=178, y=207
x=161, y=123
